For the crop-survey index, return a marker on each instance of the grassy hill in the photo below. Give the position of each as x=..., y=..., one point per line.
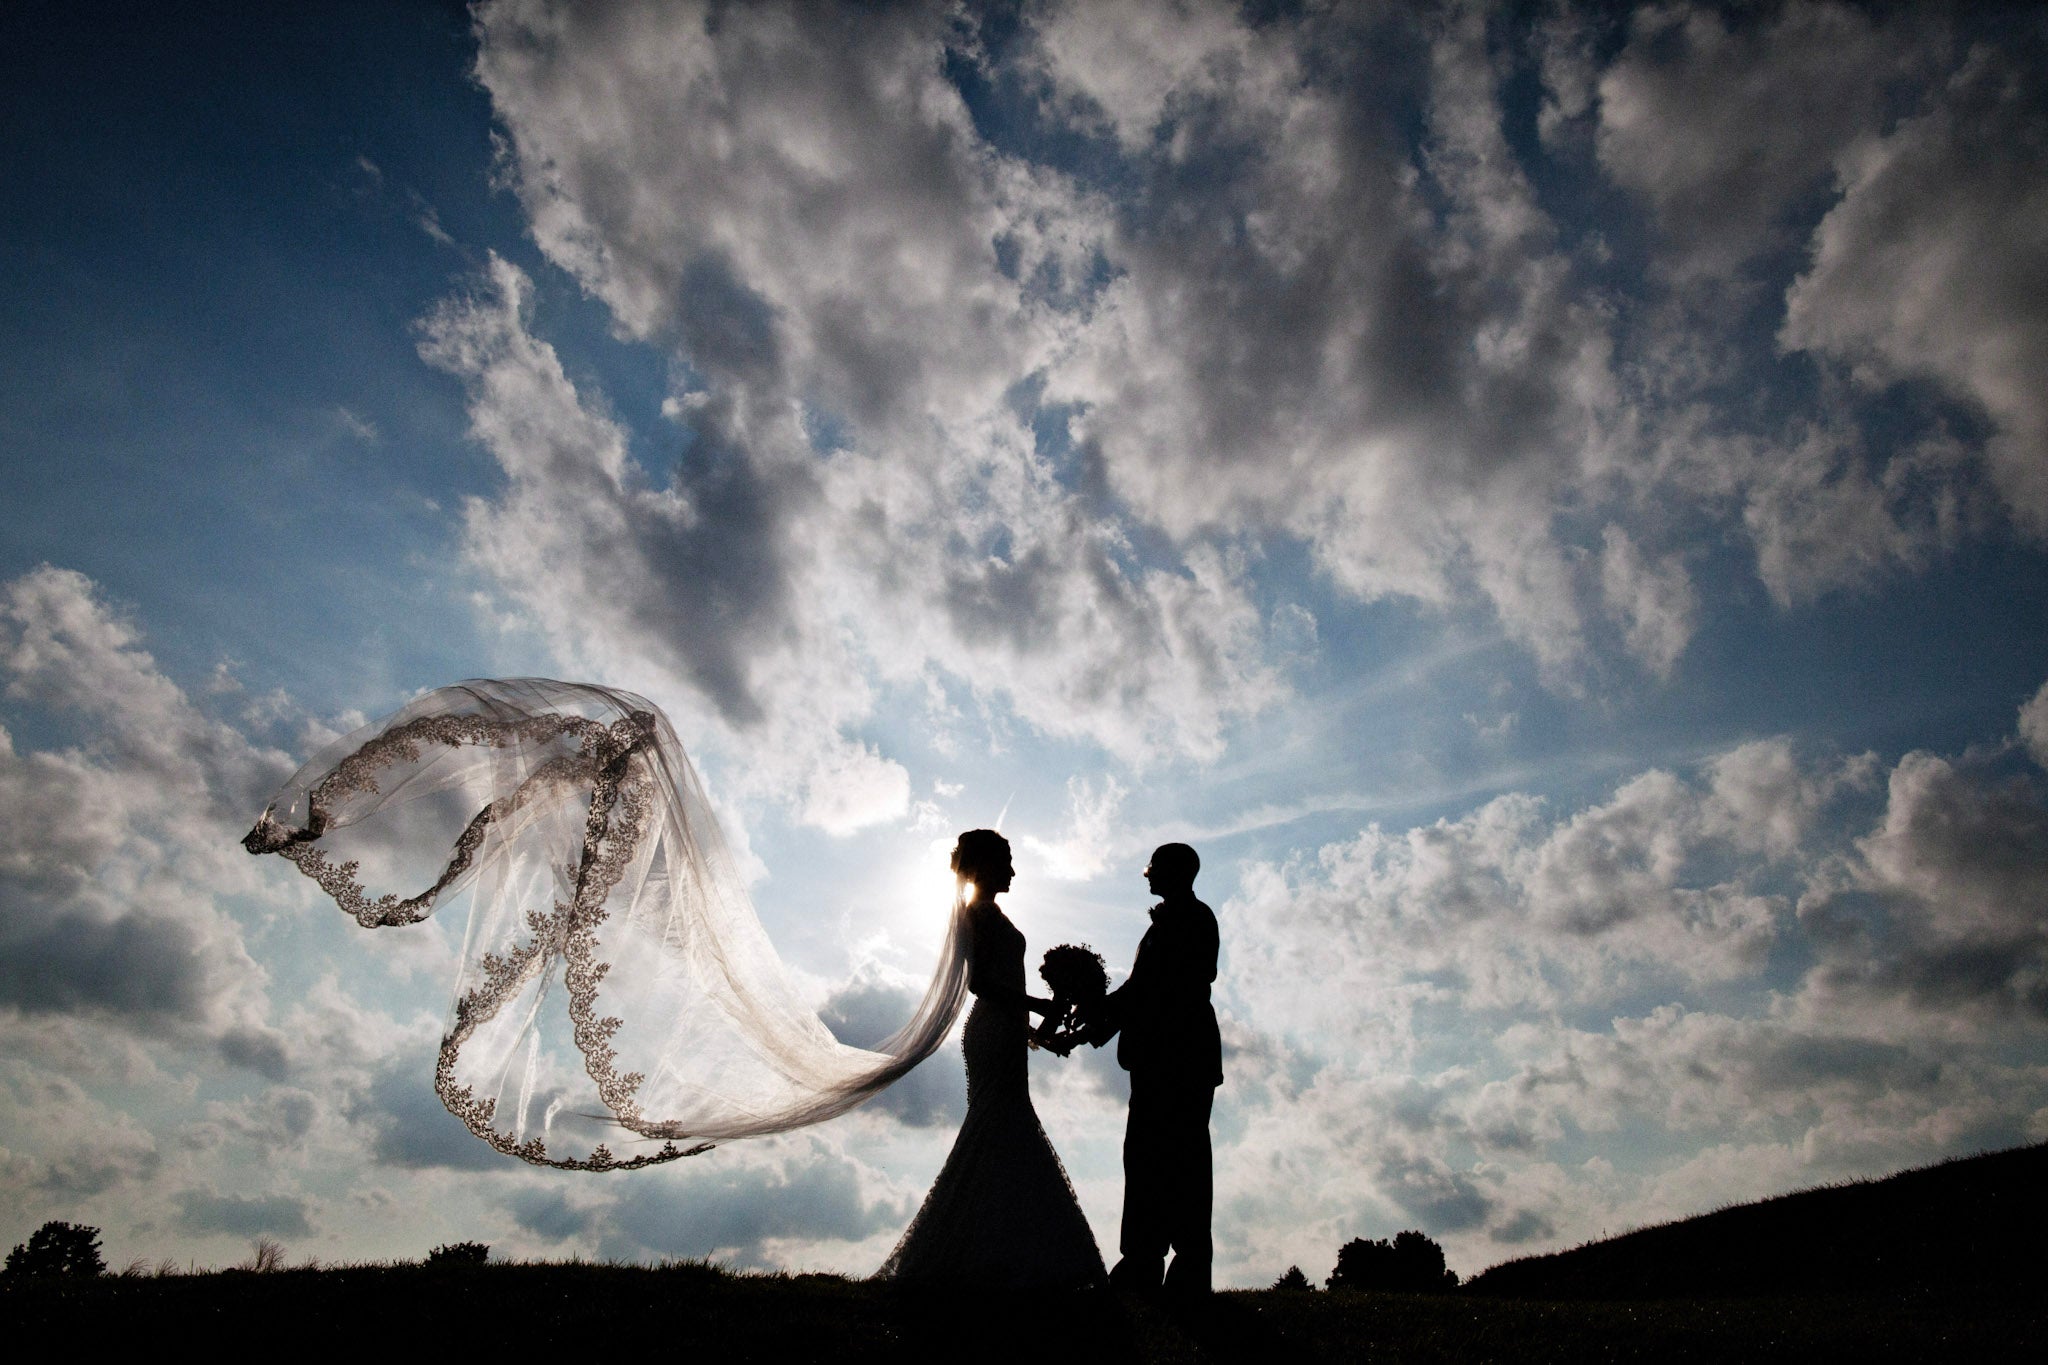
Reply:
x=1934, y=1264
x=701, y=1313
x=1973, y=1221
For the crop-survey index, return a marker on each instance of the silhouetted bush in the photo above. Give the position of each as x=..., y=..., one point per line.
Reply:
x=1410, y=1264
x=1293, y=1279
x=58, y=1249
x=266, y=1256
x=459, y=1253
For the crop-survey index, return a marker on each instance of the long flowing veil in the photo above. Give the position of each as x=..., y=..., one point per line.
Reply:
x=616, y=988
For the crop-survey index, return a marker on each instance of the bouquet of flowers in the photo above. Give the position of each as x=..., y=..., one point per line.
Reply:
x=1075, y=973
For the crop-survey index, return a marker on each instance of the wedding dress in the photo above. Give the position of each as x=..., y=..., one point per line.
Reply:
x=616, y=990
x=1002, y=1212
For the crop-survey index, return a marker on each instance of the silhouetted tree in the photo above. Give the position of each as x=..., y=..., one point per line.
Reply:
x=58, y=1249
x=1294, y=1280
x=459, y=1253
x=1410, y=1264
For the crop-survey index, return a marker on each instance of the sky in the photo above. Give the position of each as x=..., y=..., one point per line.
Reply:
x=1550, y=500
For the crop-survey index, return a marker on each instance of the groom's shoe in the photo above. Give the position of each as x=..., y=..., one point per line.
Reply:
x=1138, y=1275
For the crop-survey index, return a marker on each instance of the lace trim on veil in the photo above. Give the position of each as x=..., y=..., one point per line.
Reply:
x=641, y=792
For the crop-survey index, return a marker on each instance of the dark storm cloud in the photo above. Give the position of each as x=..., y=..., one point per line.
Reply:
x=866, y=1011
x=727, y=562
x=1948, y=910
x=1444, y=1199
x=259, y=1049
x=411, y=1127
x=94, y=1167
x=548, y=1213
x=711, y=1208
x=727, y=328
x=207, y=1211
x=83, y=1176
x=138, y=964
x=1525, y=1225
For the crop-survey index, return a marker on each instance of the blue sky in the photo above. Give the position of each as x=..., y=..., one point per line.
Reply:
x=1551, y=501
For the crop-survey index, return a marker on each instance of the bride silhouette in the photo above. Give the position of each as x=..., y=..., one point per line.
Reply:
x=616, y=989
x=1002, y=1212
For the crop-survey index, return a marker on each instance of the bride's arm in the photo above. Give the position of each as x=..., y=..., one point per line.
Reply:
x=984, y=980
x=1004, y=995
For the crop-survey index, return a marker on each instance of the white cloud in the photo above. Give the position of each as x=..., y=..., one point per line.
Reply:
x=112, y=852
x=1132, y=66
x=1290, y=319
x=858, y=283
x=1402, y=1006
x=1735, y=133
x=675, y=590
x=1506, y=908
x=1084, y=847
x=1279, y=316
x=1932, y=263
x=2034, y=725
x=1823, y=514
x=1655, y=603
x=1326, y=339
x=1722, y=129
x=1766, y=800
x=72, y=1147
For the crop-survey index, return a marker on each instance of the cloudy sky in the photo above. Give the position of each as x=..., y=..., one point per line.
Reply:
x=1551, y=502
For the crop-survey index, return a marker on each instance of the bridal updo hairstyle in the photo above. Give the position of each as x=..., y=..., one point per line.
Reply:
x=975, y=850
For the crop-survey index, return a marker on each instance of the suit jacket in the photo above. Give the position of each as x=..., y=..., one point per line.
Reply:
x=1163, y=1012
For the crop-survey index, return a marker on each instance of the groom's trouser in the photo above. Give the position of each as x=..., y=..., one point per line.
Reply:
x=1168, y=1184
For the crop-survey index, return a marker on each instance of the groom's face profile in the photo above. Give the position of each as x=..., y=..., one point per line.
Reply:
x=1168, y=873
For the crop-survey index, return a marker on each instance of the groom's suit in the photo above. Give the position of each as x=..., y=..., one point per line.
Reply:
x=1171, y=1047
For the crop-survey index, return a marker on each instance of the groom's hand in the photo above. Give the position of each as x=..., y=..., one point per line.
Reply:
x=1092, y=1024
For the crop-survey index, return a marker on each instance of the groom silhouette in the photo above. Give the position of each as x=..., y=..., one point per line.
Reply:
x=1172, y=1049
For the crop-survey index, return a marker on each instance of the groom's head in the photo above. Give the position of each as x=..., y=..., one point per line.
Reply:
x=1171, y=873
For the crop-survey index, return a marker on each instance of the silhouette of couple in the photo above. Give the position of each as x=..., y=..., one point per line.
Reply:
x=1002, y=1212
x=617, y=990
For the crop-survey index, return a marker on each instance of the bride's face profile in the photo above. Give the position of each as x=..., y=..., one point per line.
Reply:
x=983, y=865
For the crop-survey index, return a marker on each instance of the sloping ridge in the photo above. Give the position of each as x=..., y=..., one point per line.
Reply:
x=1967, y=1222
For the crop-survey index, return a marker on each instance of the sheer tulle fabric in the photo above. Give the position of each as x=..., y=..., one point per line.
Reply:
x=615, y=989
